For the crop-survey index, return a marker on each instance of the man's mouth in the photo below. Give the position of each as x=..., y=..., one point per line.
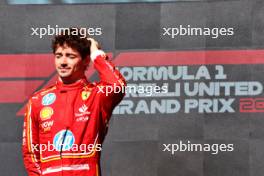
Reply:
x=64, y=69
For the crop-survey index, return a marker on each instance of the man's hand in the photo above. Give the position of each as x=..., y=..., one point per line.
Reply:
x=95, y=49
x=94, y=45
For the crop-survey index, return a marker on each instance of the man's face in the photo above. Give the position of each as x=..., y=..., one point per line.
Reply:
x=69, y=64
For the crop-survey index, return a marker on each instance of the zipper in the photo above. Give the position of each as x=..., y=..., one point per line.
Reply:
x=65, y=134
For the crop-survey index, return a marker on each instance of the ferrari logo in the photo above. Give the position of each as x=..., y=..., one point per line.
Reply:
x=85, y=95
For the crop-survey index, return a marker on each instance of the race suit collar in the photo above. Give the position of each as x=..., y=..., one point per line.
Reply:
x=77, y=85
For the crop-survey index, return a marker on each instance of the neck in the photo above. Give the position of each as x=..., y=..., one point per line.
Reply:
x=70, y=81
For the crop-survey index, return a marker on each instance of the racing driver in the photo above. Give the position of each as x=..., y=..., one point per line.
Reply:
x=65, y=124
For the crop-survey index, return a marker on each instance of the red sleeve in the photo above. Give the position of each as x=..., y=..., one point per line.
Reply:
x=112, y=83
x=30, y=144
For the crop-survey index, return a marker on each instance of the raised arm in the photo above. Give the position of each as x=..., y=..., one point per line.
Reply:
x=112, y=84
x=106, y=69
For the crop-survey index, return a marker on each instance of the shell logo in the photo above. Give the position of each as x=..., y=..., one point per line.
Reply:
x=46, y=113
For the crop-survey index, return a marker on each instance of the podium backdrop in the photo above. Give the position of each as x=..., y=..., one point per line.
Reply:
x=214, y=83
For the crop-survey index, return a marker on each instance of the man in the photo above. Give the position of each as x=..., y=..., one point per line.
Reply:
x=65, y=124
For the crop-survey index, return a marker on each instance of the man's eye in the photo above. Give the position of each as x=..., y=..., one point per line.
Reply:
x=72, y=57
x=58, y=56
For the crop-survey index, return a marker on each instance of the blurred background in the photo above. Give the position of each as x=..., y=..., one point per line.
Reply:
x=132, y=32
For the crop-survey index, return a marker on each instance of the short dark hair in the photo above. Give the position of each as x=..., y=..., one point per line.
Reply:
x=74, y=39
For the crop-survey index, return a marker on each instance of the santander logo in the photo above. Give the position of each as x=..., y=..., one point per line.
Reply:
x=83, y=109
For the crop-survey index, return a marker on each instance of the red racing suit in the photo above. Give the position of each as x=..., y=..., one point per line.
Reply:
x=65, y=124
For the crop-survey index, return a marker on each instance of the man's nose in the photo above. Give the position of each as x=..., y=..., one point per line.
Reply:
x=64, y=62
